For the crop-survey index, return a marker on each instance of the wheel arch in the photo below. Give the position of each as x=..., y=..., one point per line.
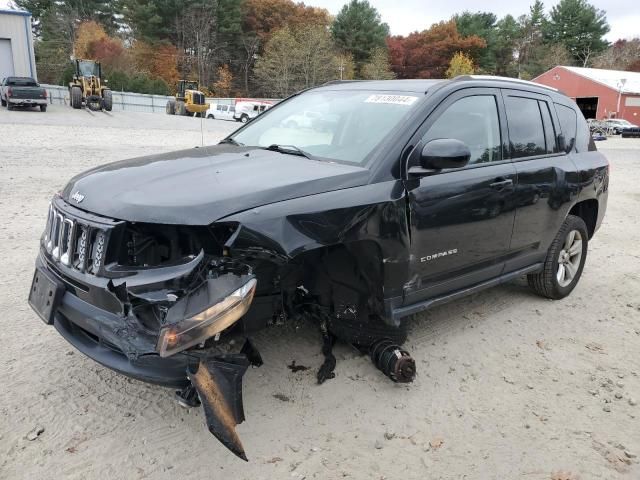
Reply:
x=587, y=210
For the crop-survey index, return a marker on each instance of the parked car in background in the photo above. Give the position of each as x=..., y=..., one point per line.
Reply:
x=246, y=111
x=617, y=125
x=22, y=92
x=221, y=112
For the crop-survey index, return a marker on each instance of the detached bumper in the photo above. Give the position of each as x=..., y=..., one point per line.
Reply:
x=28, y=102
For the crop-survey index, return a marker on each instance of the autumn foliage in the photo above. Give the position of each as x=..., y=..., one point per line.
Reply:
x=263, y=17
x=427, y=54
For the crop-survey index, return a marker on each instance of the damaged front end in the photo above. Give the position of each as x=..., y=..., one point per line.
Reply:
x=160, y=303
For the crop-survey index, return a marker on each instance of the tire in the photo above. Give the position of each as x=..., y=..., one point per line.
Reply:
x=9, y=106
x=171, y=107
x=211, y=117
x=43, y=108
x=244, y=118
x=76, y=97
x=107, y=100
x=3, y=103
x=181, y=109
x=365, y=334
x=548, y=283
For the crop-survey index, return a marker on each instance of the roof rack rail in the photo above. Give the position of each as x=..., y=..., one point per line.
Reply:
x=503, y=79
x=338, y=82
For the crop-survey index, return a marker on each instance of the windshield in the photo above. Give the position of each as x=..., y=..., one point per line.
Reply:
x=88, y=69
x=343, y=125
x=191, y=85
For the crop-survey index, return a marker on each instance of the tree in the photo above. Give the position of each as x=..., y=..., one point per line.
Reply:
x=358, y=30
x=197, y=30
x=483, y=25
x=295, y=59
x=508, y=33
x=460, y=64
x=152, y=20
x=622, y=55
x=262, y=17
x=378, y=68
x=427, y=54
x=579, y=27
x=222, y=88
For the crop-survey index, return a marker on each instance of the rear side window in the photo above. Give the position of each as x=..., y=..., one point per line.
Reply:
x=549, y=130
x=526, y=132
x=474, y=121
x=568, y=122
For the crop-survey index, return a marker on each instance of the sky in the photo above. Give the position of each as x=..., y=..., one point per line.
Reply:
x=406, y=16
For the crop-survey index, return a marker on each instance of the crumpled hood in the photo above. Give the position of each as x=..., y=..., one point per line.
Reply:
x=202, y=185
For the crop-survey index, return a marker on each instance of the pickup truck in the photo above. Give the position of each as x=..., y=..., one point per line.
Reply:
x=22, y=92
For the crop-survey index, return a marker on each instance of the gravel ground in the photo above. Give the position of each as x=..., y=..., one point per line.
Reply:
x=510, y=385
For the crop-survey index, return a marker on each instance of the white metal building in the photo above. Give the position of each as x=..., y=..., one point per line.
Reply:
x=16, y=45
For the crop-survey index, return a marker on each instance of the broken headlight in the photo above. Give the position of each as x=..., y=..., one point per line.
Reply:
x=201, y=326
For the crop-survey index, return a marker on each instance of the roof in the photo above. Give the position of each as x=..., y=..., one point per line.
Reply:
x=22, y=13
x=414, y=86
x=610, y=78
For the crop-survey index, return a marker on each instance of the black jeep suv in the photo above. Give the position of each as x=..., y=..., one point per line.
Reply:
x=389, y=198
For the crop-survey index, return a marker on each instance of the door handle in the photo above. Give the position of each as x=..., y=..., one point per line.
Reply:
x=501, y=183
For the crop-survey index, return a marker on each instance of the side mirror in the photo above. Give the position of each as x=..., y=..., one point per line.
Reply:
x=442, y=153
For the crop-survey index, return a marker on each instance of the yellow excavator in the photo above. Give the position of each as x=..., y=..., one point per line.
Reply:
x=88, y=88
x=188, y=101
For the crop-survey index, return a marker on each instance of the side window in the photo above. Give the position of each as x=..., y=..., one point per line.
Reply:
x=549, y=130
x=219, y=108
x=568, y=122
x=232, y=109
x=526, y=132
x=474, y=121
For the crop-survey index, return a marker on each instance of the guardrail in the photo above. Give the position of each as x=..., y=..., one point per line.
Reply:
x=128, y=101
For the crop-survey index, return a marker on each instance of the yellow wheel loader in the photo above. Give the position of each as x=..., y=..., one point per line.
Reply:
x=188, y=101
x=87, y=87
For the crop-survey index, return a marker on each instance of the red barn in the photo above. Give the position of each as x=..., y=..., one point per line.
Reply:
x=599, y=93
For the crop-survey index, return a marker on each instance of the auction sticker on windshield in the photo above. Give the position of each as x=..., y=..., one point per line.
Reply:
x=395, y=99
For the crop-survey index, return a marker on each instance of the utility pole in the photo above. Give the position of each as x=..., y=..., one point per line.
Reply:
x=620, y=88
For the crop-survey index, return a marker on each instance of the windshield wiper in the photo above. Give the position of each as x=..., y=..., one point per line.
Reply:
x=289, y=150
x=231, y=141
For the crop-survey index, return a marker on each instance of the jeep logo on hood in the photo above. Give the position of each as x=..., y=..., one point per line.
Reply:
x=77, y=196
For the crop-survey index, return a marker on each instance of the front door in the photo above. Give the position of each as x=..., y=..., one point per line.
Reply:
x=461, y=219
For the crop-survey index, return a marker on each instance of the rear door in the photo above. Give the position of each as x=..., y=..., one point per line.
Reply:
x=461, y=219
x=544, y=185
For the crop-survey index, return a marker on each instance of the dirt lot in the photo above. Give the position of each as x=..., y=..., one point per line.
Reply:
x=510, y=385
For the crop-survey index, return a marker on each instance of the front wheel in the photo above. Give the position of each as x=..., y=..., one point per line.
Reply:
x=3, y=103
x=565, y=261
x=107, y=100
x=211, y=117
x=43, y=108
x=244, y=119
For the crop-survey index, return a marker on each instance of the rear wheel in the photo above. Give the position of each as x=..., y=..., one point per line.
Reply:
x=565, y=261
x=3, y=103
x=171, y=107
x=43, y=108
x=76, y=97
x=211, y=117
x=244, y=118
x=108, y=100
